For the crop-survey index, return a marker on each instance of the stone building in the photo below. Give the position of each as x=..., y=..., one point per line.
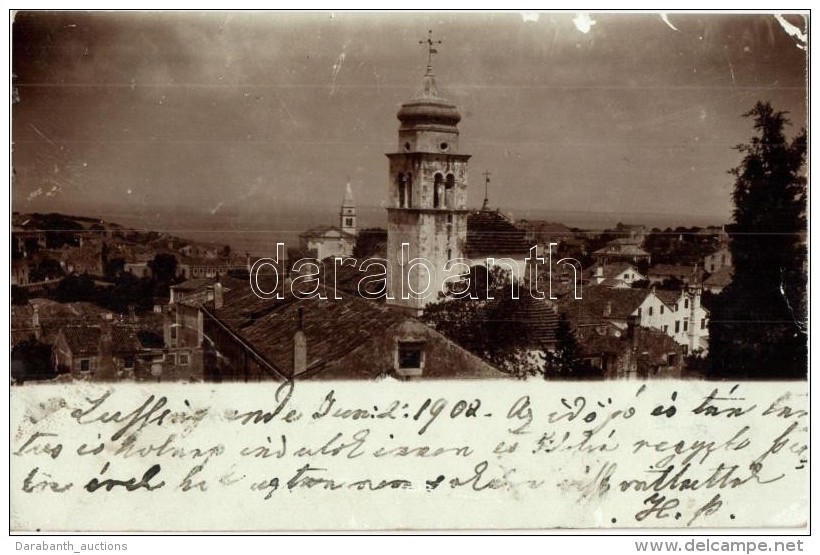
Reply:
x=427, y=197
x=432, y=236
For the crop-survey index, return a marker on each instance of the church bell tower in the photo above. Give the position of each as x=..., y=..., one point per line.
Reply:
x=347, y=213
x=427, y=196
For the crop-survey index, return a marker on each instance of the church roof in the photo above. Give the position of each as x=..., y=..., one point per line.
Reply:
x=428, y=106
x=539, y=318
x=489, y=232
x=326, y=231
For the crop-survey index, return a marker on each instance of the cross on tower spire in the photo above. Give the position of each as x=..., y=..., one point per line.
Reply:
x=486, y=190
x=430, y=50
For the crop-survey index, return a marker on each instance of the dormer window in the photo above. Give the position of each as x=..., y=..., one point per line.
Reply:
x=404, y=182
x=410, y=358
x=449, y=191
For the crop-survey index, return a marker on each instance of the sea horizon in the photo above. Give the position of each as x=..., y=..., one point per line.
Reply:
x=257, y=231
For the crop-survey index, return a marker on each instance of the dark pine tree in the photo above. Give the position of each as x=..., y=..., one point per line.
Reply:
x=566, y=361
x=758, y=323
x=31, y=360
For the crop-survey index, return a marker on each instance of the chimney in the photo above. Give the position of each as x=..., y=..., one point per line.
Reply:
x=299, y=346
x=608, y=309
x=248, y=261
x=132, y=314
x=217, y=295
x=599, y=273
x=106, y=369
x=632, y=332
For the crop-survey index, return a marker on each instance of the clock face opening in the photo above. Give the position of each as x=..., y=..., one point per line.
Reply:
x=443, y=146
x=406, y=146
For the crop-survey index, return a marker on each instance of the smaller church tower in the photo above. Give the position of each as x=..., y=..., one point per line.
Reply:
x=347, y=214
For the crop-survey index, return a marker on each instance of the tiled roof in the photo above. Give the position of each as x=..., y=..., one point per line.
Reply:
x=490, y=232
x=595, y=298
x=542, y=226
x=539, y=318
x=218, y=262
x=721, y=278
x=193, y=284
x=85, y=340
x=623, y=241
x=49, y=309
x=623, y=247
x=677, y=270
x=324, y=230
x=630, y=227
x=651, y=342
x=333, y=328
x=612, y=282
x=610, y=270
x=82, y=340
x=21, y=316
x=669, y=298
x=124, y=339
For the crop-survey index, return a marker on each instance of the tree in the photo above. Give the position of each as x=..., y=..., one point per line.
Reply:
x=164, y=267
x=566, y=361
x=671, y=283
x=76, y=288
x=31, y=360
x=758, y=325
x=488, y=325
x=19, y=295
x=370, y=242
x=164, y=272
x=114, y=267
x=47, y=268
x=128, y=290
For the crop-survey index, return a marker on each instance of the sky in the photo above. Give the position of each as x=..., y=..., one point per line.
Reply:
x=247, y=112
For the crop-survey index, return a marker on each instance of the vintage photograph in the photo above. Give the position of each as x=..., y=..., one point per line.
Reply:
x=502, y=200
x=649, y=171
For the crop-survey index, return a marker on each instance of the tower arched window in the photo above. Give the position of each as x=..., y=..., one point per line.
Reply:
x=402, y=190
x=438, y=190
x=450, y=191
x=408, y=189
